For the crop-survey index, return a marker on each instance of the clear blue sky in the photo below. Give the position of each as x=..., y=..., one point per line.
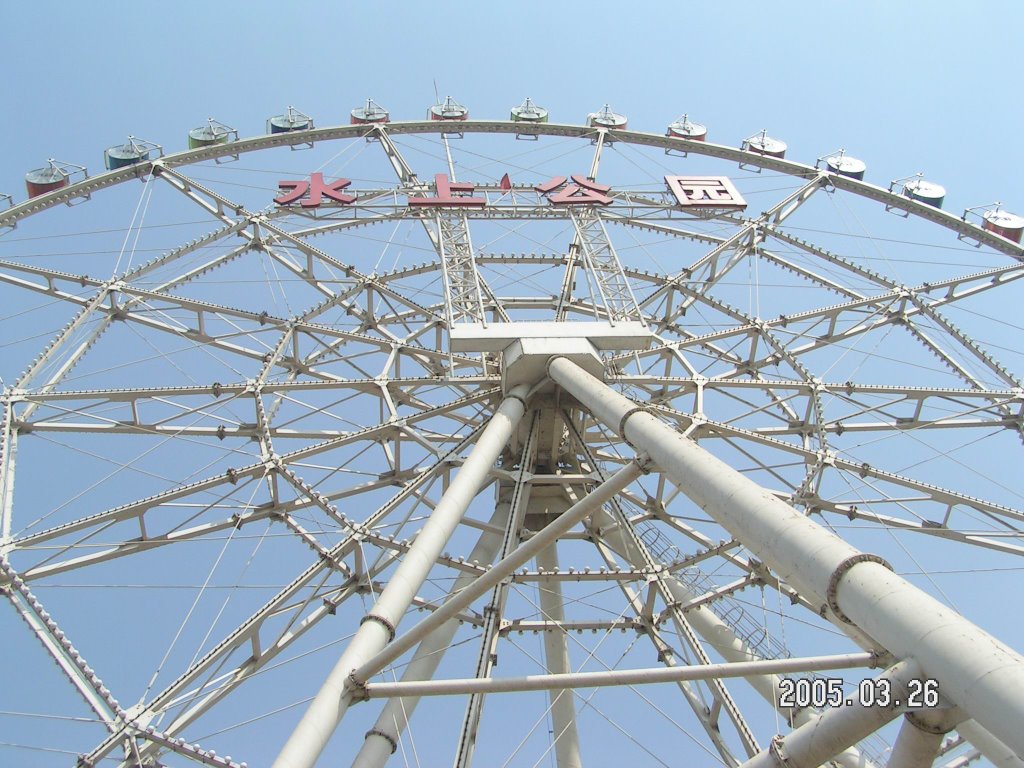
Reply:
x=910, y=86
x=905, y=86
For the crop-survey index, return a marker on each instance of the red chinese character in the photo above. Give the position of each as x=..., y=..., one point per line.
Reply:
x=446, y=194
x=582, y=192
x=316, y=189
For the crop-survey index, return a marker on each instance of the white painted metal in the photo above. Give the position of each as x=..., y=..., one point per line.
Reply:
x=517, y=498
x=718, y=262
x=992, y=748
x=495, y=337
x=448, y=231
x=67, y=658
x=817, y=741
x=614, y=301
x=964, y=760
x=8, y=454
x=984, y=681
x=920, y=738
x=722, y=638
x=556, y=656
x=380, y=742
x=981, y=675
x=318, y=723
x=660, y=583
x=651, y=676
x=522, y=554
x=11, y=216
x=295, y=352
x=572, y=255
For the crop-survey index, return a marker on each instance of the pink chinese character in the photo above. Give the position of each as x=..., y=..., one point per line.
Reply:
x=317, y=189
x=705, y=192
x=582, y=192
x=446, y=194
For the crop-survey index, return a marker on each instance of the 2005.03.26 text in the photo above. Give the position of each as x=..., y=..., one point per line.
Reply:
x=870, y=692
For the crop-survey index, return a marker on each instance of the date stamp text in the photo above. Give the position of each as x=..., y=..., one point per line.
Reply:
x=821, y=692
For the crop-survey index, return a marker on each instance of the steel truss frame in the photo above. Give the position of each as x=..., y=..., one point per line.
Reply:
x=298, y=357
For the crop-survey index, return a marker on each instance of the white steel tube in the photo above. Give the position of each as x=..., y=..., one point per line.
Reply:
x=613, y=677
x=381, y=741
x=318, y=723
x=964, y=760
x=716, y=632
x=992, y=748
x=517, y=557
x=977, y=672
x=981, y=675
x=556, y=656
x=724, y=639
x=815, y=742
x=920, y=737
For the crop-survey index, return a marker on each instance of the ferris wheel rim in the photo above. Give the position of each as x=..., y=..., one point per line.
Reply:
x=958, y=224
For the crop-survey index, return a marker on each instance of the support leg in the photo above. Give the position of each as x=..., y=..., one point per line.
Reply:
x=556, y=654
x=378, y=627
x=720, y=636
x=382, y=740
x=977, y=672
x=920, y=738
x=816, y=742
x=520, y=556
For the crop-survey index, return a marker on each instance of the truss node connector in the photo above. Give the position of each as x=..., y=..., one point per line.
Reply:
x=605, y=337
x=644, y=462
x=525, y=360
x=777, y=752
x=7, y=576
x=526, y=347
x=10, y=204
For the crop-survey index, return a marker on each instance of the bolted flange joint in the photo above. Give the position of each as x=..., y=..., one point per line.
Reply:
x=386, y=736
x=837, y=576
x=382, y=621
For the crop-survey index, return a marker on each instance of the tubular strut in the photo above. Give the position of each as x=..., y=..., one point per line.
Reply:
x=975, y=671
x=381, y=741
x=318, y=723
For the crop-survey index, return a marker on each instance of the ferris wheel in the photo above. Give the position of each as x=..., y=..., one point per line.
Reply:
x=506, y=442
